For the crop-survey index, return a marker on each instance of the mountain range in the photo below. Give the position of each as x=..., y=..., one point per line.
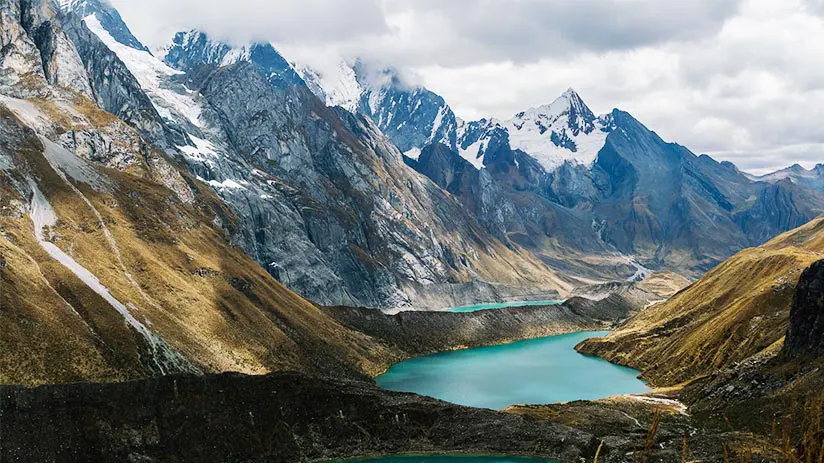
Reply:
x=560, y=180
x=359, y=188
x=811, y=178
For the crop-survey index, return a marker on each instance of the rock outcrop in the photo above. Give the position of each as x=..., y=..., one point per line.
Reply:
x=805, y=338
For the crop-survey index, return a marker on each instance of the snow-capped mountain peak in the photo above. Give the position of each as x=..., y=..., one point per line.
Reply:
x=108, y=17
x=564, y=130
x=192, y=49
x=569, y=103
x=797, y=174
x=337, y=86
x=413, y=117
x=568, y=109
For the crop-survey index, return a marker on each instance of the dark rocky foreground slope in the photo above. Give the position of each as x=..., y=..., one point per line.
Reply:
x=741, y=348
x=287, y=418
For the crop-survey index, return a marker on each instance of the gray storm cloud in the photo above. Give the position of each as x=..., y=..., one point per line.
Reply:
x=531, y=29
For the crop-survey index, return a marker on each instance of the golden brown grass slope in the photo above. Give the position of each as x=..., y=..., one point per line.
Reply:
x=166, y=255
x=735, y=311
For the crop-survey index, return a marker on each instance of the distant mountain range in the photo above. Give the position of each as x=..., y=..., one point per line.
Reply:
x=812, y=178
x=559, y=176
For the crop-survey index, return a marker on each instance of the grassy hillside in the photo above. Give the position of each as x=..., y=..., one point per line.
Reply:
x=157, y=240
x=735, y=311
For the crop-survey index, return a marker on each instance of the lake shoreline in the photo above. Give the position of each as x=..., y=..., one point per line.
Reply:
x=533, y=371
x=419, y=333
x=500, y=305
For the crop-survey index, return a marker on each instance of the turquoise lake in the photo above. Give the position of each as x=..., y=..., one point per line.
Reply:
x=538, y=371
x=450, y=460
x=500, y=305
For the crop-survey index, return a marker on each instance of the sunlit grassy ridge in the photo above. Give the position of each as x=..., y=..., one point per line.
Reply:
x=165, y=255
x=737, y=310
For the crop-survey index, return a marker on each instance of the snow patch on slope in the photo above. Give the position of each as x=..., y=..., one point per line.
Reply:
x=153, y=75
x=436, y=124
x=203, y=151
x=641, y=272
x=66, y=5
x=236, y=55
x=551, y=156
x=340, y=86
x=414, y=153
x=792, y=172
x=44, y=218
x=474, y=153
x=28, y=113
x=224, y=185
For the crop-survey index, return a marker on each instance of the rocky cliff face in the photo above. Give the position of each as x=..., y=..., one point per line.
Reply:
x=509, y=206
x=36, y=50
x=805, y=338
x=779, y=206
x=324, y=200
x=116, y=262
x=377, y=209
x=108, y=17
x=411, y=115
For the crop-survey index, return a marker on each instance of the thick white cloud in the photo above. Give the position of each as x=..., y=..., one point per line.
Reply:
x=740, y=80
x=314, y=22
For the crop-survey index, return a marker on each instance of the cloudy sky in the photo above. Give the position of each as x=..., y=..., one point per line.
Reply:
x=742, y=80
